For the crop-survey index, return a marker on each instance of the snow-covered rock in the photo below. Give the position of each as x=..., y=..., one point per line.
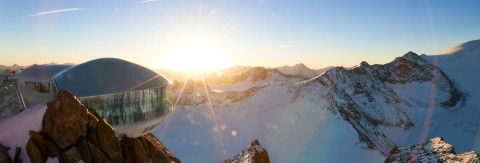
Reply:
x=254, y=153
x=433, y=150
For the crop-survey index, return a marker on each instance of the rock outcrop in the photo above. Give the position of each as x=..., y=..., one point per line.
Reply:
x=71, y=133
x=255, y=153
x=434, y=150
x=4, y=157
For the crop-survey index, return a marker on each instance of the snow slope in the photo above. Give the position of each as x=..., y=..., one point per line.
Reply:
x=291, y=131
x=462, y=127
x=15, y=130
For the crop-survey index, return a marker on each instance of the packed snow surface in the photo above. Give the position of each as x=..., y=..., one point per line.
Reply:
x=15, y=130
x=291, y=132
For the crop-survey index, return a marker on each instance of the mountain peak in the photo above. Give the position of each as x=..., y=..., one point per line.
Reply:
x=300, y=65
x=414, y=57
x=466, y=47
x=253, y=153
x=299, y=70
x=364, y=64
x=410, y=54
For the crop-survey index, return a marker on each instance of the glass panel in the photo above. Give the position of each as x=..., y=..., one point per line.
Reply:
x=129, y=107
x=44, y=87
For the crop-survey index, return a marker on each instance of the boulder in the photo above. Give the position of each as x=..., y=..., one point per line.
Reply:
x=36, y=147
x=91, y=153
x=65, y=120
x=155, y=151
x=71, y=155
x=108, y=141
x=133, y=150
x=92, y=128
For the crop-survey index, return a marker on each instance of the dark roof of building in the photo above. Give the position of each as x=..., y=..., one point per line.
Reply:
x=41, y=73
x=107, y=76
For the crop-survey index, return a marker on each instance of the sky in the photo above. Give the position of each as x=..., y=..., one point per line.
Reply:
x=269, y=33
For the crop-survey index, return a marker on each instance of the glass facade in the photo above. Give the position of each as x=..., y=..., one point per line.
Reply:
x=45, y=87
x=129, y=107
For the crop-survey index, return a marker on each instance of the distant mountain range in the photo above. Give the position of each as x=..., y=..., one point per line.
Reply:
x=299, y=70
x=13, y=67
x=301, y=114
x=16, y=67
x=302, y=71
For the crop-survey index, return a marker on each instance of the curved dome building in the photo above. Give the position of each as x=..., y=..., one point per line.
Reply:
x=36, y=84
x=124, y=93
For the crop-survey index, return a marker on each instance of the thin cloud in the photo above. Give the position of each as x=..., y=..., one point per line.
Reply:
x=56, y=11
x=146, y=1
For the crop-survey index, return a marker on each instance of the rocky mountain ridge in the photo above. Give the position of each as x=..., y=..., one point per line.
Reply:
x=369, y=97
x=366, y=96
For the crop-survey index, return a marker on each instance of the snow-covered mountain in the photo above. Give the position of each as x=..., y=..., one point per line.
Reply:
x=258, y=104
x=299, y=70
x=253, y=78
x=253, y=153
x=323, y=70
x=182, y=75
x=433, y=150
x=372, y=97
x=366, y=110
x=464, y=49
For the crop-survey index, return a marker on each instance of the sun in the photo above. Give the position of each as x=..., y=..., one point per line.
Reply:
x=196, y=55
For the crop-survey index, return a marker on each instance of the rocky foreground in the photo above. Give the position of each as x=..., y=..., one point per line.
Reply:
x=434, y=150
x=70, y=133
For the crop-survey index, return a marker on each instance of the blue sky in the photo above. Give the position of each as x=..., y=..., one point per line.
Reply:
x=250, y=32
